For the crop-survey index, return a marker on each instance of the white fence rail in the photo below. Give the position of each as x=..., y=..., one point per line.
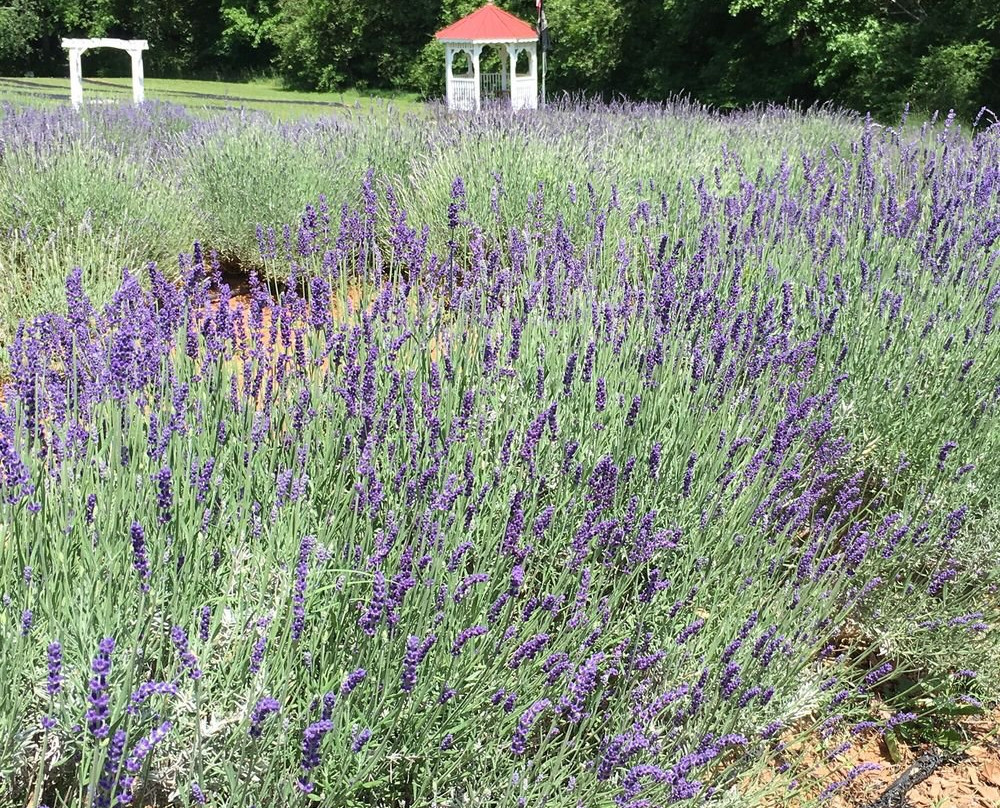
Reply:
x=463, y=94
x=492, y=86
x=523, y=94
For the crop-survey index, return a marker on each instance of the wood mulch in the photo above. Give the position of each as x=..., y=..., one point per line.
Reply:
x=970, y=779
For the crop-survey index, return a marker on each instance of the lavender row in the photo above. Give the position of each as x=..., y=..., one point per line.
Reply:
x=517, y=505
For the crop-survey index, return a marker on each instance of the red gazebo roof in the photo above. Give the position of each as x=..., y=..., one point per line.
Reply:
x=488, y=23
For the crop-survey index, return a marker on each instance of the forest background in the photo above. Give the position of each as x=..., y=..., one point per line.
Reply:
x=869, y=55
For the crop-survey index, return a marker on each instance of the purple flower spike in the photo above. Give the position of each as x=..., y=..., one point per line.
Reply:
x=689, y=631
x=140, y=558
x=943, y=453
x=109, y=773
x=601, y=398
x=519, y=742
x=354, y=678
x=633, y=412
x=262, y=709
x=133, y=765
x=299, y=588
x=188, y=660
x=466, y=635
x=358, y=741
x=572, y=704
x=54, y=659
x=97, y=714
x=415, y=653
x=900, y=718
x=311, y=739
x=164, y=493
x=689, y=475
x=528, y=650
x=204, y=623
x=145, y=691
x=377, y=606
x=257, y=655
x=655, y=454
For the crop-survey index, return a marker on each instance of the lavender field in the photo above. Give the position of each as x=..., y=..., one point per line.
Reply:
x=607, y=456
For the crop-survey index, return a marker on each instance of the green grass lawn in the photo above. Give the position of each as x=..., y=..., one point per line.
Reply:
x=266, y=95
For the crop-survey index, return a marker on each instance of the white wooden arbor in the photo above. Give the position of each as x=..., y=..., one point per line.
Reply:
x=77, y=47
x=490, y=26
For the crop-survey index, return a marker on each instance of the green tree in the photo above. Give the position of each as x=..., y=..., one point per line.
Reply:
x=329, y=44
x=867, y=54
x=588, y=44
x=878, y=54
x=20, y=26
x=704, y=48
x=246, y=41
x=182, y=34
x=316, y=41
x=953, y=75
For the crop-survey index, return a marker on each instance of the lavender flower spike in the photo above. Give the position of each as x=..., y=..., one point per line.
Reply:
x=188, y=660
x=519, y=742
x=311, y=739
x=97, y=715
x=262, y=709
x=415, y=653
x=354, y=678
x=359, y=740
x=54, y=659
x=140, y=558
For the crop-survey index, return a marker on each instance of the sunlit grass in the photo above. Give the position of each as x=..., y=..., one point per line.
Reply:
x=264, y=95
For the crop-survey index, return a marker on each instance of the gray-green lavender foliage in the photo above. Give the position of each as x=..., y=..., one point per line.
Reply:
x=585, y=456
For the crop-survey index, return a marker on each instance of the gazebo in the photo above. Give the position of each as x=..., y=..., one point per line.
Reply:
x=490, y=26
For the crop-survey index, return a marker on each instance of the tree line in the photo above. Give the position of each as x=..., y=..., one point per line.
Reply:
x=870, y=55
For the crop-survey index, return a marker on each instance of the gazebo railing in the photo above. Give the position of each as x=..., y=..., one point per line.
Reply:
x=463, y=92
x=523, y=93
x=491, y=86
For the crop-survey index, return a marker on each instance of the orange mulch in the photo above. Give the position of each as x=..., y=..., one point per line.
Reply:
x=970, y=779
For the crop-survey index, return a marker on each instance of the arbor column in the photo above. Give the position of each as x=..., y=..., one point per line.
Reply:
x=138, y=80
x=75, y=78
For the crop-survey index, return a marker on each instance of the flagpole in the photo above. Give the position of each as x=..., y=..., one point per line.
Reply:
x=544, y=60
x=542, y=44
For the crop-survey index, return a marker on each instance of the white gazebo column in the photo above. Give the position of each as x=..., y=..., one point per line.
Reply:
x=511, y=51
x=75, y=78
x=504, y=69
x=138, y=80
x=475, y=52
x=449, y=59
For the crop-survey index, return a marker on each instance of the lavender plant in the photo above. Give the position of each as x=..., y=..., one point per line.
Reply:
x=518, y=491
